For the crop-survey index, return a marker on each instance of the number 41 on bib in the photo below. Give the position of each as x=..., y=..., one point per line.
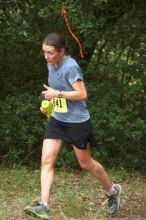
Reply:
x=60, y=105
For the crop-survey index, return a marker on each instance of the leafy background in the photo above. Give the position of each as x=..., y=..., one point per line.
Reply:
x=113, y=36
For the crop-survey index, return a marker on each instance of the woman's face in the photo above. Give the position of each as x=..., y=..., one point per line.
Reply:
x=52, y=56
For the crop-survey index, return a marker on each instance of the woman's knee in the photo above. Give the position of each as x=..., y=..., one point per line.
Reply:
x=90, y=165
x=46, y=160
x=85, y=165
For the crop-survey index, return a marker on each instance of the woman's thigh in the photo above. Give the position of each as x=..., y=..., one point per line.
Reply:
x=51, y=149
x=83, y=156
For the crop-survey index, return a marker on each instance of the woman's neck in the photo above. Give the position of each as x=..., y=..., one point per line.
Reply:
x=60, y=61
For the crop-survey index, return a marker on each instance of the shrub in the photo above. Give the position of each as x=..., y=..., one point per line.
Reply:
x=121, y=133
x=21, y=127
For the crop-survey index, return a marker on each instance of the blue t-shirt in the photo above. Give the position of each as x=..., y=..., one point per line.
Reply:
x=61, y=79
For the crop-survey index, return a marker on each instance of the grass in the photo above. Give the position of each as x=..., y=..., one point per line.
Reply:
x=75, y=195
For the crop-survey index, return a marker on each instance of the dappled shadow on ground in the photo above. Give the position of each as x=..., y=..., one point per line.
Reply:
x=133, y=201
x=133, y=205
x=76, y=195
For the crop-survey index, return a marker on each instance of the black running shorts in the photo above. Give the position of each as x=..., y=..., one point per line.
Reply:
x=78, y=134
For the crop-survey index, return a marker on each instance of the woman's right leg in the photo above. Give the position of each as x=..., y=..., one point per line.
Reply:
x=50, y=151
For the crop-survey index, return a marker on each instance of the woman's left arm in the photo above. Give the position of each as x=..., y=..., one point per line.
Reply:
x=79, y=92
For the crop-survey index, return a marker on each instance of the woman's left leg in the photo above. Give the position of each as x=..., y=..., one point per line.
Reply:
x=113, y=191
x=88, y=163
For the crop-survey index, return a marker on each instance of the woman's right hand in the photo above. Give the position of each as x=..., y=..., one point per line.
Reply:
x=42, y=111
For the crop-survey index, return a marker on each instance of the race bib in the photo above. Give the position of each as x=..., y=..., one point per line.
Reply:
x=59, y=105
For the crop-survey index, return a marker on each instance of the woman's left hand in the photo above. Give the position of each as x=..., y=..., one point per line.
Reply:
x=49, y=93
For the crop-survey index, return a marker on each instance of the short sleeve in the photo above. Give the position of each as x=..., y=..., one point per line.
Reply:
x=75, y=74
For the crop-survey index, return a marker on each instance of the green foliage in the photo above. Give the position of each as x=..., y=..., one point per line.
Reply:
x=120, y=131
x=21, y=128
x=66, y=158
x=113, y=37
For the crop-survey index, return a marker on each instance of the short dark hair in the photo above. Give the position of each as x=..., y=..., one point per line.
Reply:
x=56, y=40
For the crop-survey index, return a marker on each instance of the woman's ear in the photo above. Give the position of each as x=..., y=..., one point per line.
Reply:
x=62, y=51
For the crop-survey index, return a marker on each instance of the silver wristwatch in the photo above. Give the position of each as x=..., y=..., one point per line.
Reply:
x=59, y=95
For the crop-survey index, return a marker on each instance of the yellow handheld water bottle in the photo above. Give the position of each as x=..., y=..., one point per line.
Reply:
x=47, y=107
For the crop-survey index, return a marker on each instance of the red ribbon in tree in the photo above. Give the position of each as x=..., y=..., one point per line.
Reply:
x=70, y=30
